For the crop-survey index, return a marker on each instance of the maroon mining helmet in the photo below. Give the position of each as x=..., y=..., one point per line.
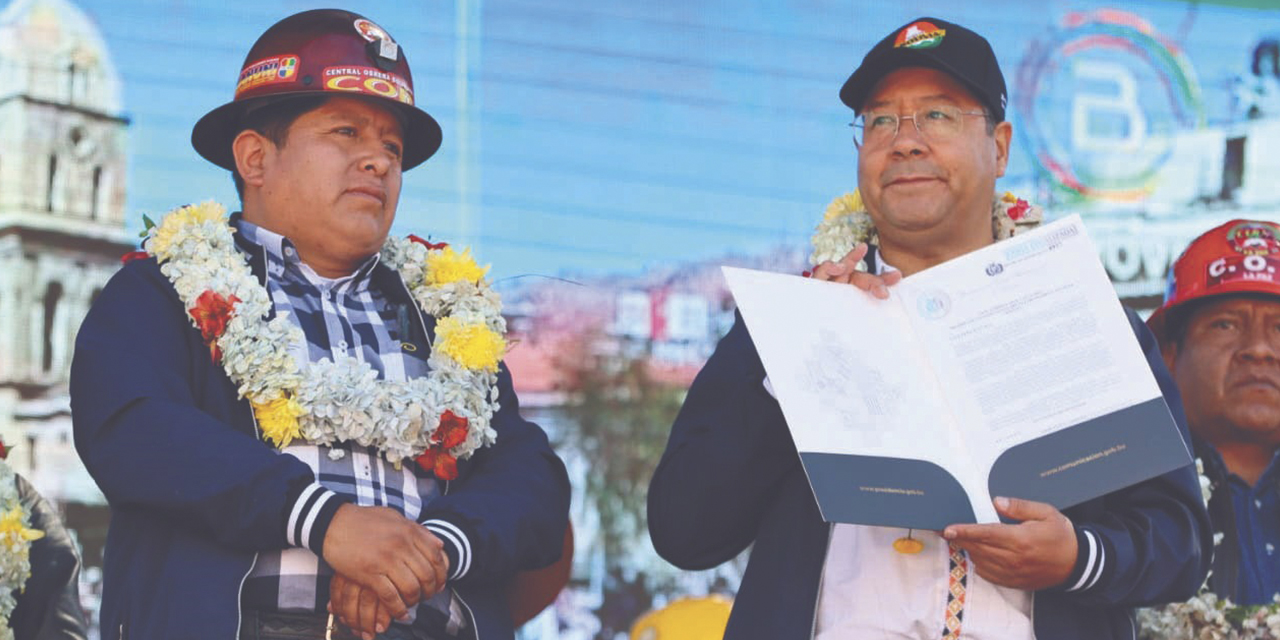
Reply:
x=324, y=52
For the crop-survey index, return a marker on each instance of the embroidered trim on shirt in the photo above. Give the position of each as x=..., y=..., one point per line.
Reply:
x=957, y=582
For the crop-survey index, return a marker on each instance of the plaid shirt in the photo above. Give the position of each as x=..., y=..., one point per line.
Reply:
x=345, y=316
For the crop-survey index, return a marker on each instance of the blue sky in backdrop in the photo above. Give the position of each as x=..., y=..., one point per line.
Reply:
x=609, y=136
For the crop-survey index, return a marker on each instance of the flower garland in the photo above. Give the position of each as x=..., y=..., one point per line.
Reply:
x=16, y=537
x=435, y=420
x=847, y=223
x=1206, y=615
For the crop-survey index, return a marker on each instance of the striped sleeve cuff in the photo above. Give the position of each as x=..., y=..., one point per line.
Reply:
x=456, y=546
x=310, y=516
x=1093, y=561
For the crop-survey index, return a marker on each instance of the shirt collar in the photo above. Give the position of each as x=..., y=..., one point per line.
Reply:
x=1215, y=466
x=282, y=259
x=878, y=266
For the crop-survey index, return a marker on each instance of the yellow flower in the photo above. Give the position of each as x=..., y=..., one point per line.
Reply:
x=278, y=419
x=473, y=345
x=1009, y=197
x=844, y=205
x=446, y=266
x=12, y=529
x=163, y=235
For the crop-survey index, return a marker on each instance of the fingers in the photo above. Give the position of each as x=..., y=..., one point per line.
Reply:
x=374, y=618
x=1038, y=552
x=432, y=548
x=1024, y=510
x=357, y=608
x=877, y=286
x=389, y=595
x=344, y=601
x=422, y=566
x=966, y=535
x=846, y=271
x=840, y=271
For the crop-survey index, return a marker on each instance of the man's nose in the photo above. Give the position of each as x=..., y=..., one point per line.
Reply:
x=1261, y=343
x=377, y=159
x=909, y=141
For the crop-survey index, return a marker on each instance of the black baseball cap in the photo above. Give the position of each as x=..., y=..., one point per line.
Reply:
x=938, y=44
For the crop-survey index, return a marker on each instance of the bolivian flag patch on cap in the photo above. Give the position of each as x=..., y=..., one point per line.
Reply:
x=920, y=35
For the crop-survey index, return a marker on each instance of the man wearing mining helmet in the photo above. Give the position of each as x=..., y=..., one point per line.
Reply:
x=932, y=139
x=1219, y=330
x=409, y=490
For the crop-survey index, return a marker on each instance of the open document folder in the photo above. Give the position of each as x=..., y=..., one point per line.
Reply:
x=1010, y=371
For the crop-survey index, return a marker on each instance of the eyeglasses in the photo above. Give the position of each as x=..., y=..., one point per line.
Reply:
x=935, y=123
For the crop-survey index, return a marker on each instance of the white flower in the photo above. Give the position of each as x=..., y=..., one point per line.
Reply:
x=342, y=399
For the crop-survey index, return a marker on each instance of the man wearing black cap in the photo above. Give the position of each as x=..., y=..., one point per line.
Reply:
x=329, y=348
x=932, y=139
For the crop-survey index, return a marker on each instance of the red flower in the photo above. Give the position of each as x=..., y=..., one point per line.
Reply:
x=1019, y=210
x=806, y=274
x=4, y=451
x=452, y=430
x=133, y=255
x=211, y=313
x=444, y=465
x=433, y=246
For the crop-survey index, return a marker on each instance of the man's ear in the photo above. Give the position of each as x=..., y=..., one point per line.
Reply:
x=250, y=150
x=1003, y=134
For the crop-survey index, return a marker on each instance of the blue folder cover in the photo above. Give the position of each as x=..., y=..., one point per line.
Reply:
x=1064, y=468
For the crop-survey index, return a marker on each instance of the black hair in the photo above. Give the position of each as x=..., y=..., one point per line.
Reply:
x=273, y=120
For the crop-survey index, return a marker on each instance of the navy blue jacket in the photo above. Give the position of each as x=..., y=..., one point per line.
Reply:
x=195, y=494
x=731, y=477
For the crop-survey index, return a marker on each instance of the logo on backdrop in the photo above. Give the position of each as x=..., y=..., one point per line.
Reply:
x=1101, y=100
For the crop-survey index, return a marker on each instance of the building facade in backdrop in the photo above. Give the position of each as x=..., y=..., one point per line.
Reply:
x=62, y=195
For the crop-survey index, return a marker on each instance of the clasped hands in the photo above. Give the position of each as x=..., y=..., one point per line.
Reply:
x=384, y=563
x=1036, y=553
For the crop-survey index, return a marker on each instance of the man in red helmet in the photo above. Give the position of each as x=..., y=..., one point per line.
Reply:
x=215, y=533
x=1219, y=332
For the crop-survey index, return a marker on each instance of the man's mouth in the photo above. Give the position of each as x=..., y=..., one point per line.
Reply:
x=376, y=193
x=1253, y=381
x=913, y=179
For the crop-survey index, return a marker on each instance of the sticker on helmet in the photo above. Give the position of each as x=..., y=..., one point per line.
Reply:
x=387, y=48
x=920, y=35
x=268, y=71
x=370, y=31
x=1254, y=238
x=369, y=81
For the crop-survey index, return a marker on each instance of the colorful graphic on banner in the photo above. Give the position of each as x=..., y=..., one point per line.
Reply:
x=1102, y=100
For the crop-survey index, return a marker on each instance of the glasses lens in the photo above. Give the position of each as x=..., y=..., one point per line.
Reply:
x=939, y=122
x=874, y=129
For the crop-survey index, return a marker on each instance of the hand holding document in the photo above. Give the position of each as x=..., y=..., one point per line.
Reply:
x=1009, y=371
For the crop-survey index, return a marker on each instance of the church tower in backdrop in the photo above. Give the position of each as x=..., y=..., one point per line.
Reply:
x=62, y=194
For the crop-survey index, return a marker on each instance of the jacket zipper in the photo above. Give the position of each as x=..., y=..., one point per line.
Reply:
x=813, y=626
x=240, y=589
